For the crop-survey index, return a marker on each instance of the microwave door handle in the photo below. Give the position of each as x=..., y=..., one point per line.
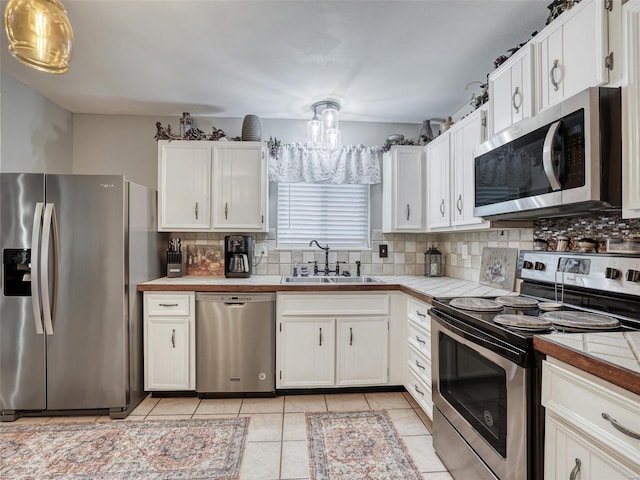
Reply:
x=547, y=156
x=35, y=267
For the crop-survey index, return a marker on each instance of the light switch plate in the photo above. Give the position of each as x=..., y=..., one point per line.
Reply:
x=383, y=251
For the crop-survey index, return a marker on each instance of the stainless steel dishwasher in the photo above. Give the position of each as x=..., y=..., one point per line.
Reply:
x=235, y=343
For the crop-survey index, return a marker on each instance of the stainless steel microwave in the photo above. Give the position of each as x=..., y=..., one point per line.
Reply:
x=564, y=161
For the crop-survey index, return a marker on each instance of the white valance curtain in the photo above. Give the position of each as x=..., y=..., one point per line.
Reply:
x=302, y=163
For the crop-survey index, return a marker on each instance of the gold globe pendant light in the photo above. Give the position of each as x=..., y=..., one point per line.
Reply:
x=40, y=34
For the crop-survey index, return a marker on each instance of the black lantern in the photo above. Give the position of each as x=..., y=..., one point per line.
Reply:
x=433, y=263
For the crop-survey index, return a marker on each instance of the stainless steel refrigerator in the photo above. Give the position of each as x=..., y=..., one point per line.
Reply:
x=74, y=249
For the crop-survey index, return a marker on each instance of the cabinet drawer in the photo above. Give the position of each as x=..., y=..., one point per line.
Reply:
x=419, y=338
x=421, y=392
x=581, y=399
x=420, y=364
x=168, y=305
x=419, y=312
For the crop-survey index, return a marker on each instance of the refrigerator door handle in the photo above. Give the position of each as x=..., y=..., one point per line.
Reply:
x=35, y=267
x=49, y=234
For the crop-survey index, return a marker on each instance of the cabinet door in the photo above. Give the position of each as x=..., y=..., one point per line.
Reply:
x=403, y=189
x=438, y=202
x=569, y=455
x=631, y=113
x=510, y=91
x=306, y=352
x=464, y=139
x=362, y=348
x=184, y=186
x=167, y=354
x=572, y=54
x=240, y=187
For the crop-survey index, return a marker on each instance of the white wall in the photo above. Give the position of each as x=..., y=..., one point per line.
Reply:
x=36, y=135
x=120, y=144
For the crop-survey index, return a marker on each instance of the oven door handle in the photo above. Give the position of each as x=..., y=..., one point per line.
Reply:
x=547, y=156
x=515, y=355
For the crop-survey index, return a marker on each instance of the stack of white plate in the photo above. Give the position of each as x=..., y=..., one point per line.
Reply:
x=251, y=129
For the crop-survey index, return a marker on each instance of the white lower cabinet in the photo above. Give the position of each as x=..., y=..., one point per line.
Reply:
x=307, y=349
x=590, y=426
x=569, y=455
x=362, y=350
x=169, y=341
x=418, y=339
x=332, y=340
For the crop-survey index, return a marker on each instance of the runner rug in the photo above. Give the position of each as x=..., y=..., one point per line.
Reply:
x=168, y=449
x=357, y=445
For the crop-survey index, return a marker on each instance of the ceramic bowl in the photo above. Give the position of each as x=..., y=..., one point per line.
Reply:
x=549, y=306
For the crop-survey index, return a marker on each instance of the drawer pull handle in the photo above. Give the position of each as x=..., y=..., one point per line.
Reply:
x=418, y=390
x=168, y=304
x=226, y=211
x=196, y=210
x=576, y=470
x=350, y=336
x=173, y=338
x=620, y=428
x=419, y=366
x=420, y=340
x=420, y=314
x=320, y=338
x=408, y=211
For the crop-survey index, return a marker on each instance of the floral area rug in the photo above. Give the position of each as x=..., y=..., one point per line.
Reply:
x=168, y=449
x=357, y=446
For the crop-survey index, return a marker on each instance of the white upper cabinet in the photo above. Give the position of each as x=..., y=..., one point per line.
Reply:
x=212, y=186
x=511, y=95
x=403, y=189
x=450, y=179
x=631, y=112
x=240, y=188
x=572, y=53
x=184, y=185
x=464, y=138
x=438, y=188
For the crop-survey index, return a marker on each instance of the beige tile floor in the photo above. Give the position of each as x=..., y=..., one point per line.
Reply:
x=277, y=440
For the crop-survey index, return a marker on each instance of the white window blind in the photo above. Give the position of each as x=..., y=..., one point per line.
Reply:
x=333, y=214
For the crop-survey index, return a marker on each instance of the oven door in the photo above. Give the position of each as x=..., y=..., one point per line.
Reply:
x=480, y=388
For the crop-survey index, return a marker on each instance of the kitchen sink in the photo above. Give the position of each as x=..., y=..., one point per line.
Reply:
x=329, y=280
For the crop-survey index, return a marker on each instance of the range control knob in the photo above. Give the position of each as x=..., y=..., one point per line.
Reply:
x=540, y=266
x=527, y=265
x=612, y=273
x=633, y=275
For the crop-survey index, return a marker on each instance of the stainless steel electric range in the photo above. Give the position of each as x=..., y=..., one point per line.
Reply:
x=487, y=420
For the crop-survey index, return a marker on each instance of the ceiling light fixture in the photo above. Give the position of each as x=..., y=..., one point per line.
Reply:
x=326, y=131
x=40, y=34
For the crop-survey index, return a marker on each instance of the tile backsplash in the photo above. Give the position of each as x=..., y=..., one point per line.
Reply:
x=405, y=252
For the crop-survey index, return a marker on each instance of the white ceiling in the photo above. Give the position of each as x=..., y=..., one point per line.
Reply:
x=384, y=61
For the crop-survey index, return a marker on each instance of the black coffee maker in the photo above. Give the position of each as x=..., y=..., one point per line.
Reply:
x=238, y=256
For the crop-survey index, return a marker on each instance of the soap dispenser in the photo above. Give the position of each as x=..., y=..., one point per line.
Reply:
x=295, y=268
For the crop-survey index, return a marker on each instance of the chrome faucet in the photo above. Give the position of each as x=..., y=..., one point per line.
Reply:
x=326, y=258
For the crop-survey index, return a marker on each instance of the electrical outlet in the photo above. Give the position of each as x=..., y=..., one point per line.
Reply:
x=464, y=251
x=261, y=250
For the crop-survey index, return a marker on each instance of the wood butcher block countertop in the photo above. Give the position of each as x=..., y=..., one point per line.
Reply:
x=423, y=288
x=612, y=356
